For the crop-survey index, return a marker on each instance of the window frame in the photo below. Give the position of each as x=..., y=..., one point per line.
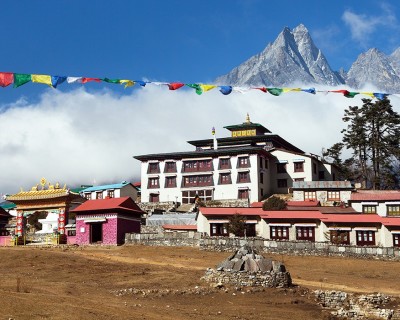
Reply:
x=361, y=238
x=298, y=166
x=366, y=207
x=305, y=233
x=279, y=233
x=330, y=196
x=393, y=213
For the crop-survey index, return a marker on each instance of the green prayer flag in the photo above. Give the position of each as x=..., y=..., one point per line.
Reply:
x=116, y=81
x=275, y=91
x=196, y=86
x=21, y=78
x=351, y=94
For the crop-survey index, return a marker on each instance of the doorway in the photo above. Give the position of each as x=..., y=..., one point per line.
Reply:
x=96, y=232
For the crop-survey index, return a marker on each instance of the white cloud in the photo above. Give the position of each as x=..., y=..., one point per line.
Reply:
x=362, y=26
x=80, y=137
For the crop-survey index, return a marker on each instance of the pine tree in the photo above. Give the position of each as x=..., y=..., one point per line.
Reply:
x=373, y=135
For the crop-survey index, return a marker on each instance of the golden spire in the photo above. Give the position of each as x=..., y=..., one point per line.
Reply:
x=248, y=118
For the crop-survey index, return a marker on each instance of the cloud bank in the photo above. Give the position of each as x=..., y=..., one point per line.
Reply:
x=83, y=137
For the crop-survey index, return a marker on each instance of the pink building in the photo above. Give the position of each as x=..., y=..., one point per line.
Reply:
x=105, y=221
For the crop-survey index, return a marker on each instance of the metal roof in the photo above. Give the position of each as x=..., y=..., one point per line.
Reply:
x=106, y=187
x=322, y=185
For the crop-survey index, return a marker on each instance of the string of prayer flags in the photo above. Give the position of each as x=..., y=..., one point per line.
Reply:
x=19, y=79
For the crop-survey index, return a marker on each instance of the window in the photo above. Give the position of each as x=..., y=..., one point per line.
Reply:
x=393, y=210
x=266, y=163
x=154, y=197
x=282, y=183
x=154, y=167
x=225, y=178
x=71, y=233
x=279, y=233
x=321, y=175
x=170, y=167
x=219, y=229
x=305, y=233
x=243, y=162
x=314, y=165
x=153, y=183
x=200, y=165
x=261, y=177
x=243, y=194
x=170, y=182
x=340, y=237
x=261, y=162
x=110, y=194
x=194, y=181
x=365, y=238
x=243, y=177
x=369, y=209
x=310, y=195
x=224, y=163
x=281, y=167
x=88, y=196
x=333, y=195
x=396, y=240
x=299, y=179
x=99, y=195
x=298, y=167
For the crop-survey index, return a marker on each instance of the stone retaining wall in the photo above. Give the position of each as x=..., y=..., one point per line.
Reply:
x=226, y=244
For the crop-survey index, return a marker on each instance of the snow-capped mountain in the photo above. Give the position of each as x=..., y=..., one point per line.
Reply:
x=294, y=58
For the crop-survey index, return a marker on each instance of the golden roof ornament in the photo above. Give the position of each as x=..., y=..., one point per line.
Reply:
x=248, y=118
x=43, y=182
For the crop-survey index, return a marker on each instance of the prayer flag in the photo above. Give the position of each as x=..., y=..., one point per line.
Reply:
x=6, y=78
x=175, y=85
x=380, y=96
x=56, y=80
x=42, y=78
x=21, y=78
x=116, y=81
x=207, y=87
x=309, y=90
x=128, y=83
x=225, y=90
x=263, y=89
x=275, y=91
x=141, y=83
x=74, y=79
x=86, y=80
x=195, y=86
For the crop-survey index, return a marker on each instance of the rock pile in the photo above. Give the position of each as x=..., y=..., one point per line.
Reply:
x=248, y=268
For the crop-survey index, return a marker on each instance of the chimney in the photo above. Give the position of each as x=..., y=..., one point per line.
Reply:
x=215, y=139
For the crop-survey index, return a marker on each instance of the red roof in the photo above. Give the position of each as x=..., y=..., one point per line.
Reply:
x=307, y=203
x=353, y=218
x=125, y=204
x=207, y=211
x=375, y=195
x=299, y=214
x=180, y=227
x=391, y=222
x=257, y=204
x=137, y=184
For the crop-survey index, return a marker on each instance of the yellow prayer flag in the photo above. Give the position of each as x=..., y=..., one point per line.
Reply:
x=41, y=78
x=290, y=89
x=128, y=83
x=371, y=94
x=207, y=87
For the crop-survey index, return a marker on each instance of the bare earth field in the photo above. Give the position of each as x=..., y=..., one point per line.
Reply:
x=139, y=282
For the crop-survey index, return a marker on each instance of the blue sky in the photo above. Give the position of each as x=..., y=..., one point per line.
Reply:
x=46, y=132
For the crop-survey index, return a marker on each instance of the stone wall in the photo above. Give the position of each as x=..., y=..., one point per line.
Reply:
x=352, y=306
x=226, y=244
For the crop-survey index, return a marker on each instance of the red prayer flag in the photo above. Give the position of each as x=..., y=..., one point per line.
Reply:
x=263, y=89
x=85, y=80
x=175, y=85
x=6, y=78
x=344, y=92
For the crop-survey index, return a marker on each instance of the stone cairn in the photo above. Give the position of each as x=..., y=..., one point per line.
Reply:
x=247, y=268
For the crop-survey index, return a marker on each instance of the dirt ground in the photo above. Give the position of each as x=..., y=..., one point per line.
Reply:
x=140, y=282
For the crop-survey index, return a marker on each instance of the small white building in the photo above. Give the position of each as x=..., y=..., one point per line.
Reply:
x=116, y=190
